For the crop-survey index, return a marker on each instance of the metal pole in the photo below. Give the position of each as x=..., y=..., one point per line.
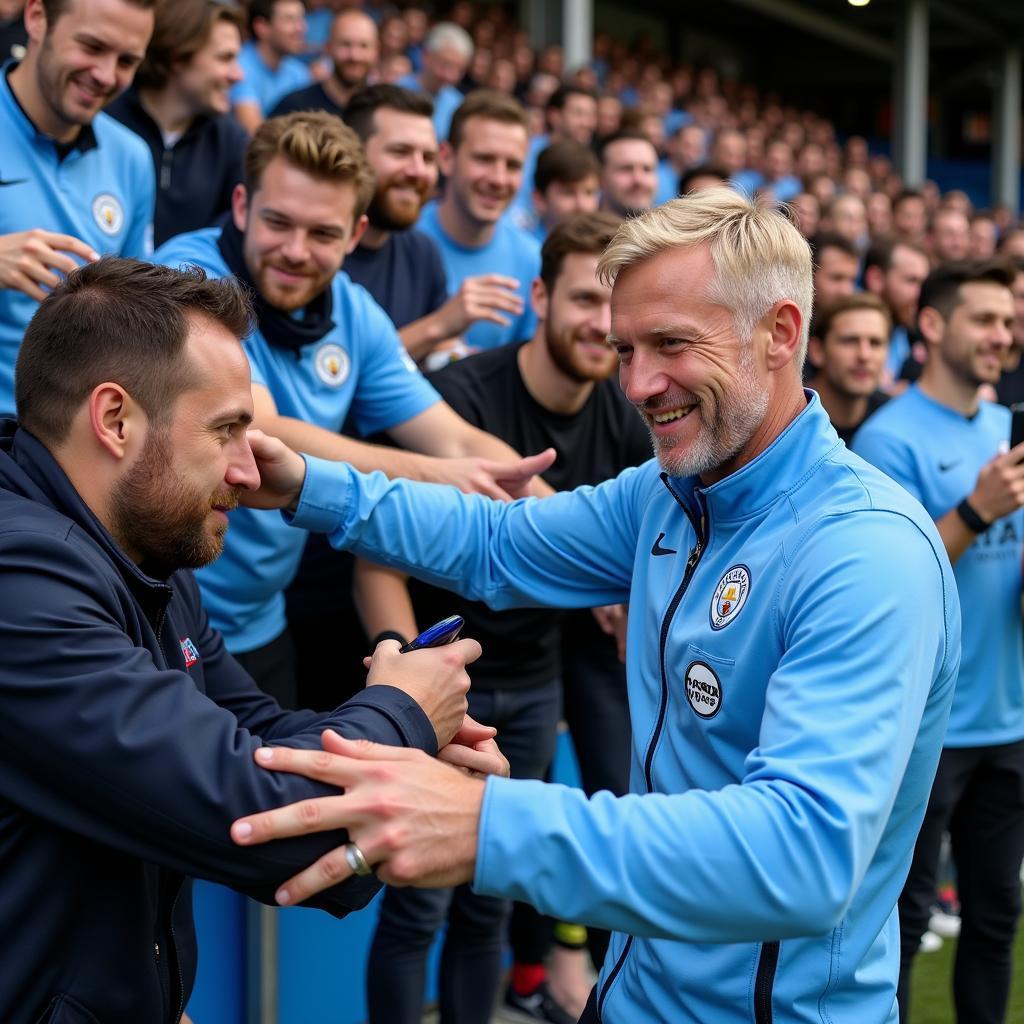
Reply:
x=261, y=963
x=1006, y=132
x=577, y=32
x=910, y=142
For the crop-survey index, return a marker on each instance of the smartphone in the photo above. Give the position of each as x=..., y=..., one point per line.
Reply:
x=444, y=632
x=1016, y=424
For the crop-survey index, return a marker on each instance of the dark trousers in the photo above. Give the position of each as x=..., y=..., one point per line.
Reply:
x=978, y=797
x=329, y=652
x=272, y=666
x=596, y=709
x=526, y=721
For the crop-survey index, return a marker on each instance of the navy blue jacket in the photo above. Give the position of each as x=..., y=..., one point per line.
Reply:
x=126, y=750
x=196, y=176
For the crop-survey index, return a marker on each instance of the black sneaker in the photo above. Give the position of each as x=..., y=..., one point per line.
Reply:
x=538, y=1005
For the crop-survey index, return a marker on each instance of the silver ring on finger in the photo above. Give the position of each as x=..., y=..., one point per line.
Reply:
x=357, y=860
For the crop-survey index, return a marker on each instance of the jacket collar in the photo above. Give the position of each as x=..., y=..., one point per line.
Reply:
x=29, y=470
x=777, y=471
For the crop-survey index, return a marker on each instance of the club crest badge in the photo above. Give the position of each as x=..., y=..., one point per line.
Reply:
x=730, y=596
x=703, y=689
x=108, y=213
x=332, y=364
x=188, y=649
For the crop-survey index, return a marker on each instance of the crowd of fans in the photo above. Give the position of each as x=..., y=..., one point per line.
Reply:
x=467, y=149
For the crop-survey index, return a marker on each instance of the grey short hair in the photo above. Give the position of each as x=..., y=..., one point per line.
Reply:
x=448, y=34
x=758, y=255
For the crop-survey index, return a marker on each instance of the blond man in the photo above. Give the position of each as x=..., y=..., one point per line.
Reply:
x=787, y=696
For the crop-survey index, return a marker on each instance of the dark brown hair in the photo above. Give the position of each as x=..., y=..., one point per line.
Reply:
x=182, y=28
x=119, y=320
x=362, y=107
x=565, y=161
x=824, y=317
x=489, y=105
x=587, y=233
x=941, y=288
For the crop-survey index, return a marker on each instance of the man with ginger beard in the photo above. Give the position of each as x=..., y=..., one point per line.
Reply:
x=353, y=48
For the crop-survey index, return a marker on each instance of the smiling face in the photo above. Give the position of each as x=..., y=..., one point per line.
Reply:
x=206, y=80
x=700, y=389
x=403, y=154
x=87, y=57
x=298, y=230
x=170, y=508
x=353, y=48
x=971, y=343
x=576, y=314
x=486, y=169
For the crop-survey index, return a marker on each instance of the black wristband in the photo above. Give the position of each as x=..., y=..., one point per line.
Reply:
x=972, y=520
x=387, y=634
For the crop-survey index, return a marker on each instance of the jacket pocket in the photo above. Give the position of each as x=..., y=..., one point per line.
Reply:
x=65, y=1009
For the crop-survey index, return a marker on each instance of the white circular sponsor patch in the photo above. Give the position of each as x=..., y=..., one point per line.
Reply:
x=332, y=364
x=730, y=596
x=703, y=689
x=108, y=213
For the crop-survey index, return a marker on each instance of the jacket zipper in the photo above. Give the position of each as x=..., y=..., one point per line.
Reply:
x=764, y=982
x=177, y=959
x=666, y=622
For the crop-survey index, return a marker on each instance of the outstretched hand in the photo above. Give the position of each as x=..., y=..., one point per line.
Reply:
x=412, y=816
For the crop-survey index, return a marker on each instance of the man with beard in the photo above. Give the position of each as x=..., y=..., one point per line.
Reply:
x=180, y=105
x=353, y=47
x=791, y=654
x=552, y=391
x=847, y=348
x=894, y=270
x=482, y=162
x=629, y=173
x=73, y=182
x=948, y=449
x=269, y=59
x=399, y=266
x=323, y=352
x=128, y=729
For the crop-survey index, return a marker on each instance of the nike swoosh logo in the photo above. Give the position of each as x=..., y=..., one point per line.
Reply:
x=657, y=549
x=945, y=467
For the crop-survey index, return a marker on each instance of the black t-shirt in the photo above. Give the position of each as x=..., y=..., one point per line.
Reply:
x=875, y=402
x=312, y=97
x=522, y=646
x=1010, y=389
x=405, y=275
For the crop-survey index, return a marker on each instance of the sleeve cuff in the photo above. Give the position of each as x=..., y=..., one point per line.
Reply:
x=408, y=718
x=325, y=497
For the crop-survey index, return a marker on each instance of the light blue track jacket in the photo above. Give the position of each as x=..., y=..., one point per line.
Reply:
x=794, y=638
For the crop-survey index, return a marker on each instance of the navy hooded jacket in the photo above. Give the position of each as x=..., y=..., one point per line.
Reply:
x=127, y=734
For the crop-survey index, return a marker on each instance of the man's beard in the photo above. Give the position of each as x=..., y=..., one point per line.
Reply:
x=561, y=347
x=387, y=216
x=157, y=517
x=725, y=427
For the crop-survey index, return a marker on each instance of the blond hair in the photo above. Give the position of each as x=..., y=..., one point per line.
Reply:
x=316, y=143
x=758, y=256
